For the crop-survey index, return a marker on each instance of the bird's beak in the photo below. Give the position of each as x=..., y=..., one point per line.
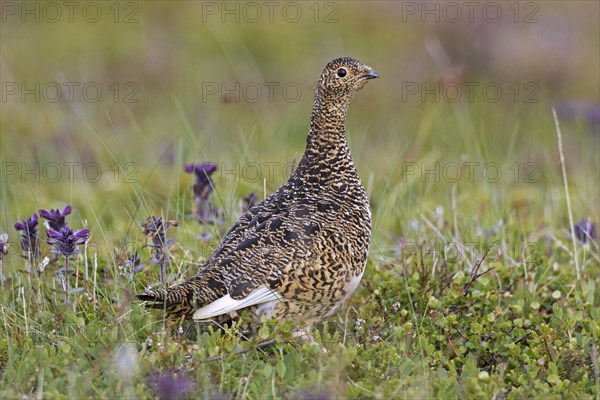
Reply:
x=371, y=74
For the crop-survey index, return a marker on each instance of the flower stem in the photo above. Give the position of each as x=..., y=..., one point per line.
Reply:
x=66, y=280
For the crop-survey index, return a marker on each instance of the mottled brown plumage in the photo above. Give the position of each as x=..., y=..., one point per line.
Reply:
x=301, y=252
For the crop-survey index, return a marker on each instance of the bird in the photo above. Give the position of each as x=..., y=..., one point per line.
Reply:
x=300, y=253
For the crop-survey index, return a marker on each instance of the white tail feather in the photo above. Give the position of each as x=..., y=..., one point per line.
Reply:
x=226, y=304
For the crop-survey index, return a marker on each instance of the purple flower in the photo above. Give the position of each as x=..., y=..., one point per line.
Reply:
x=170, y=386
x=3, y=246
x=204, y=209
x=56, y=218
x=204, y=183
x=134, y=262
x=156, y=229
x=584, y=230
x=128, y=260
x=29, y=234
x=65, y=241
x=3, y=251
x=586, y=110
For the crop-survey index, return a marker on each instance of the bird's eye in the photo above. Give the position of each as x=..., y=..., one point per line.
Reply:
x=341, y=72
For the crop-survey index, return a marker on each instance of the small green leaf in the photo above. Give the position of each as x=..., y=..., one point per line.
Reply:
x=267, y=370
x=64, y=347
x=280, y=367
x=264, y=332
x=553, y=379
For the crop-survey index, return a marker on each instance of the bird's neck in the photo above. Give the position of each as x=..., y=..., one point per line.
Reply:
x=327, y=135
x=327, y=158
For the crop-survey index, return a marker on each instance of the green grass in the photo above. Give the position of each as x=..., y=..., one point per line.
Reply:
x=527, y=328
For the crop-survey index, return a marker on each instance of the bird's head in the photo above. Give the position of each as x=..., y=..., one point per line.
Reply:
x=343, y=77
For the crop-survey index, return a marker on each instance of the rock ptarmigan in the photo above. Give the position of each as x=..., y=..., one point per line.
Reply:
x=300, y=253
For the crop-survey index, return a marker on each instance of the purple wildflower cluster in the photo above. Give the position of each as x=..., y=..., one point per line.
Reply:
x=64, y=241
x=204, y=210
x=156, y=229
x=56, y=218
x=133, y=262
x=588, y=111
x=127, y=260
x=3, y=251
x=585, y=231
x=29, y=236
x=60, y=236
x=168, y=385
x=3, y=244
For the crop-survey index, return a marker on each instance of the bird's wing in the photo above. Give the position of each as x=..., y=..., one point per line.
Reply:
x=226, y=304
x=256, y=259
x=252, y=230
x=236, y=232
x=258, y=249
x=277, y=204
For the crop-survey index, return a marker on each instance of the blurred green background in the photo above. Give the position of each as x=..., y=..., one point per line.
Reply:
x=103, y=102
x=179, y=81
